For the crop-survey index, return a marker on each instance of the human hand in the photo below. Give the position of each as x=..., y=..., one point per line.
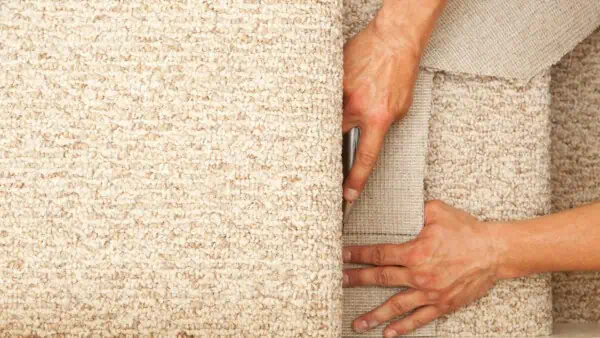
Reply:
x=381, y=65
x=454, y=261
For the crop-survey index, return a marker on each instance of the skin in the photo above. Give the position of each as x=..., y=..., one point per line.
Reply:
x=441, y=269
x=444, y=272
x=381, y=64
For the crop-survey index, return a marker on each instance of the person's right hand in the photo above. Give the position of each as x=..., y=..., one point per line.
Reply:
x=455, y=260
x=381, y=65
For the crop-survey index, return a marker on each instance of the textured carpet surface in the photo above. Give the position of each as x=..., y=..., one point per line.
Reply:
x=576, y=165
x=170, y=166
x=489, y=154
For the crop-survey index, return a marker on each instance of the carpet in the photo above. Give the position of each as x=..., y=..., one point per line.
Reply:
x=170, y=167
x=489, y=154
x=576, y=165
x=173, y=168
x=491, y=61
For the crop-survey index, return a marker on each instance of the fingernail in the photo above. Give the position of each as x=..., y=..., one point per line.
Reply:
x=347, y=255
x=350, y=195
x=361, y=326
x=390, y=333
x=346, y=280
x=372, y=324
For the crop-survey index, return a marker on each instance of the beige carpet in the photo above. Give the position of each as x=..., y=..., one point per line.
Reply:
x=576, y=165
x=489, y=154
x=170, y=167
x=490, y=136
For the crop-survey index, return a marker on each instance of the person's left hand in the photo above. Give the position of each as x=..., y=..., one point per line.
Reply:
x=452, y=262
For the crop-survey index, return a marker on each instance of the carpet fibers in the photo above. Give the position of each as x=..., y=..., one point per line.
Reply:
x=489, y=154
x=576, y=165
x=170, y=167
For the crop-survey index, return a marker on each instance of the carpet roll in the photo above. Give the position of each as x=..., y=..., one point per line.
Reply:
x=170, y=168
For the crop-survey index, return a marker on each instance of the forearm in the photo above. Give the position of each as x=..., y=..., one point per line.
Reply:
x=414, y=18
x=565, y=241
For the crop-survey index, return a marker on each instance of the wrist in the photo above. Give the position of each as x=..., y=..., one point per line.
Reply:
x=502, y=237
x=407, y=23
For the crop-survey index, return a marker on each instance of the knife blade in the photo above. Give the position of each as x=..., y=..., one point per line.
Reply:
x=350, y=144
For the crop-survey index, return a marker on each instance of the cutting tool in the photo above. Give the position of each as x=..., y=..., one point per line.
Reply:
x=348, y=156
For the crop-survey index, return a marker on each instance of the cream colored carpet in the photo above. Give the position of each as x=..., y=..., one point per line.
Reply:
x=576, y=165
x=489, y=141
x=489, y=154
x=170, y=167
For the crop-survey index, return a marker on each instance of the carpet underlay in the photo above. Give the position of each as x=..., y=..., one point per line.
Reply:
x=169, y=167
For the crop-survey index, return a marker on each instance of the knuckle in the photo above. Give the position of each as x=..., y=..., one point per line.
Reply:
x=444, y=307
x=427, y=280
x=383, y=277
x=366, y=158
x=404, y=102
x=433, y=295
x=414, y=258
x=381, y=119
x=422, y=280
x=397, y=306
x=433, y=208
x=357, y=99
x=386, y=119
x=419, y=254
x=378, y=256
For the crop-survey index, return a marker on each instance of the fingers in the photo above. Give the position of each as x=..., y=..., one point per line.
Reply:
x=412, y=322
x=380, y=254
x=369, y=146
x=380, y=276
x=354, y=106
x=395, y=306
x=350, y=118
